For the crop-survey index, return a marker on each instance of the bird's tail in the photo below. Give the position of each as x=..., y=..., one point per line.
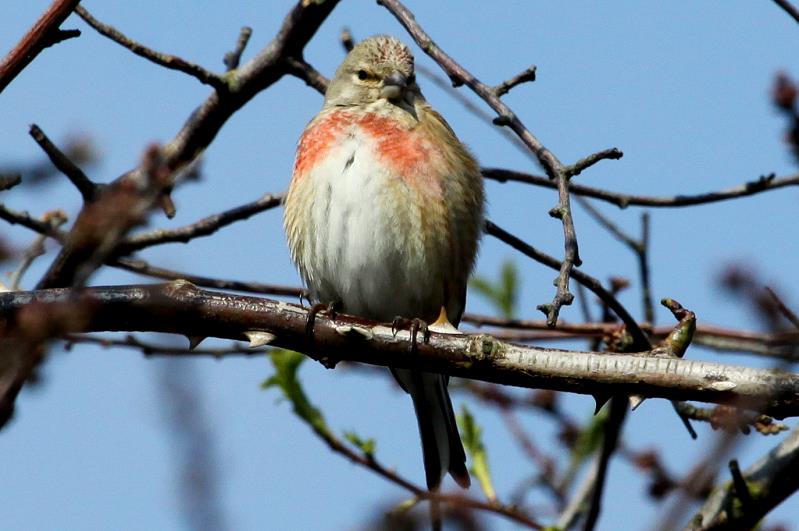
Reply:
x=441, y=443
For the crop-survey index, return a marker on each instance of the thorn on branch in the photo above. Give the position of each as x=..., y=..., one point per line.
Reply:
x=527, y=76
x=60, y=36
x=233, y=58
x=88, y=189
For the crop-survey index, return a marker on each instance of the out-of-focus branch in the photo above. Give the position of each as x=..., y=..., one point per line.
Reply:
x=141, y=267
x=44, y=33
x=788, y=8
x=88, y=190
x=768, y=482
x=181, y=308
x=762, y=184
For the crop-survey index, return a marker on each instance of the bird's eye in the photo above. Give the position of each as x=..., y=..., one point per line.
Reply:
x=363, y=75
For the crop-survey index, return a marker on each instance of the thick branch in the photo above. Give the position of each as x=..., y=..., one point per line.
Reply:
x=181, y=308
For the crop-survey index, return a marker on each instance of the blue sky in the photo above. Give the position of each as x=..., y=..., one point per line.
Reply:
x=681, y=88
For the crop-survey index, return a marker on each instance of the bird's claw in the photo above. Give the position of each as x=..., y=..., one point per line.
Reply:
x=414, y=326
x=331, y=308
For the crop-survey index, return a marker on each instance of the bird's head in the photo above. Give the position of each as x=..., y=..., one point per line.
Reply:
x=378, y=68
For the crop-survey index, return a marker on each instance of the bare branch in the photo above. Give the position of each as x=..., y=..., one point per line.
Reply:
x=788, y=8
x=44, y=33
x=233, y=58
x=166, y=60
x=776, y=477
x=590, y=160
x=506, y=117
x=184, y=309
x=762, y=184
x=526, y=76
x=143, y=268
x=204, y=227
x=88, y=189
x=9, y=181
x=640, y=340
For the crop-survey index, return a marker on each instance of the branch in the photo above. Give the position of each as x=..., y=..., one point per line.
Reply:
x=205, y=227
x=88, y=190
x=762, y=184
x=182, y=308
x=233, y=57
x=44, y=33
x=506, y=117
x=143, y=268
x=788, y=8
x=526, y=76
x=768, y=482
x=641, y=342
x=166, y=60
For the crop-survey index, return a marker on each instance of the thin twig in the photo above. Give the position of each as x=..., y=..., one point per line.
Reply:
x=787, y=312
x=590, y=160
x=88, y=189
x=526, y=76
x=233, y=58
x=156, y=350
x=143, y=268
x=204, y=227
x=506, y=117
x=23, y=218
x=640, y=340
x=55, y=219
x=762, y=184
x=166, y=60
x=44, y=33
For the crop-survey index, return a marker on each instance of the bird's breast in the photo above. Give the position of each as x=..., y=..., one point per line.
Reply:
x=374, y=225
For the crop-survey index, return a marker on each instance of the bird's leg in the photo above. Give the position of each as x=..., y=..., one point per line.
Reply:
x=331, y=308
x=414, y=326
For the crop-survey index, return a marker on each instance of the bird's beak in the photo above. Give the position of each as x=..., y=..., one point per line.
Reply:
x=393, y=86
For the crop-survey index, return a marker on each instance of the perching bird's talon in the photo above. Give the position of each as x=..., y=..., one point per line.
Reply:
x=414, y=326
x=331, y=308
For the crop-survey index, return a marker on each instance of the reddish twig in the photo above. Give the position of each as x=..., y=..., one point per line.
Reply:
x=44, y=33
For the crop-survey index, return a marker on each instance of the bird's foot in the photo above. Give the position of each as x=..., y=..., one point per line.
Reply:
x=331, y=308
x=414, y=326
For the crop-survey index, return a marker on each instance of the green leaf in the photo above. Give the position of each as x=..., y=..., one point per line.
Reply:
x=591, y=437
x=502, y=293
x=472, y=438
x=367, y=446
x=287, y=363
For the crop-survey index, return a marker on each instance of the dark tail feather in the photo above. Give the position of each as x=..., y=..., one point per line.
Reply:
x=441, y=443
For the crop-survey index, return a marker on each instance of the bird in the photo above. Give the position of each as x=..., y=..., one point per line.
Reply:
x=383, y=218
